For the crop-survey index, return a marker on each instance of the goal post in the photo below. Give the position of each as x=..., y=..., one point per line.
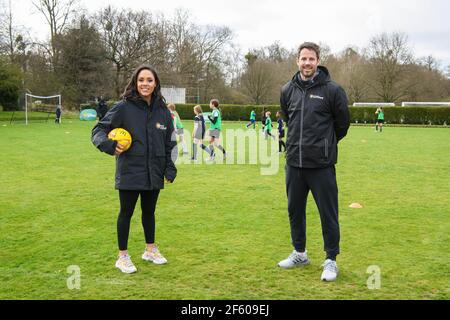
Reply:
x=35, y=103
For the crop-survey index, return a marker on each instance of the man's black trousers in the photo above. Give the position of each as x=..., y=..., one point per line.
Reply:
x=322, y=183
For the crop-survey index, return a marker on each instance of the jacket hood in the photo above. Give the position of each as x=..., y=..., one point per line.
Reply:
x=322, y=77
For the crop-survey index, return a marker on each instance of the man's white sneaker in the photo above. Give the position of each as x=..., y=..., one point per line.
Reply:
x=155, y=256
x=330, y=270
x=125, y=264
x=295, y=259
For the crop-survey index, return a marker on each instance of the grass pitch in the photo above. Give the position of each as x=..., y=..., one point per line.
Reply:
x=223, y=228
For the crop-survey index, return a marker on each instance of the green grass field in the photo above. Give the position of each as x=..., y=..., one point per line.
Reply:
x=223, y=228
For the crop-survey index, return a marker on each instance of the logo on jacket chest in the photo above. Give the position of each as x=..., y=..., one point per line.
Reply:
x=313, y=96
x=160, y=126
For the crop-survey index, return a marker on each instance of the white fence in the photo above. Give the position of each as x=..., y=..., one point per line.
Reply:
x=375, y=104
x=404, y=104
x=410, y=104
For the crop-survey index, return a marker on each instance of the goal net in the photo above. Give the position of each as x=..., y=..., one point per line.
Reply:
x=37, y=109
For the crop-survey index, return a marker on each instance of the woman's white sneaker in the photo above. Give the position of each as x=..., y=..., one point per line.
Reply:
x=330, y=270
x=154, y=256
x=125, y=264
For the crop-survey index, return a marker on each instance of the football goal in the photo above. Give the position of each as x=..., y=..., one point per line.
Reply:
x=37, y=109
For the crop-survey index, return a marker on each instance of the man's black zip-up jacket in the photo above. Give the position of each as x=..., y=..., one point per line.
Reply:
x=317, y=117
x=153, y=151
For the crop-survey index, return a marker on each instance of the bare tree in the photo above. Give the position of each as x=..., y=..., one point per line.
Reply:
x=234, y=66
x=183, y=58
x=276, y=52
x=430, y=62
x=197, y=55
x=11, y=41
x=266, y=71
x=273, y=52
x=258, y=79
x=390, y=56
x=161, y=46
x=3, y=28
x=57, y=13
x=128, y=37
x=325, y=54
x=351, y=73
x=6, y=29
x=447, y=71
x=209, y=50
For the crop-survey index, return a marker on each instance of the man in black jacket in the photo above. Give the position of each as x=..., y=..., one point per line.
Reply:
x=316, y=112
x=102, y=108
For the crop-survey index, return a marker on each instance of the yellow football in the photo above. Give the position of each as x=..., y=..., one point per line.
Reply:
x=122, y=136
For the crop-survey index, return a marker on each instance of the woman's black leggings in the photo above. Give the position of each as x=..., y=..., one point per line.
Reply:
x=128, y=199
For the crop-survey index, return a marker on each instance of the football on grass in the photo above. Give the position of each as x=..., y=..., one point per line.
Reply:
x=122, y=136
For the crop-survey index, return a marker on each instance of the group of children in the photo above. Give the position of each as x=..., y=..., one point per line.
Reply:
x=199, y=131
x=198, y=134
x=266, y=123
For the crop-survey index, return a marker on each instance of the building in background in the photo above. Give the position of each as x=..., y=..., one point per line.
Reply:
x=174, y=95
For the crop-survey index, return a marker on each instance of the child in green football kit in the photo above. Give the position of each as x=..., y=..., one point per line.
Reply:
x=380, y=119
x=179, y=127
x=214, y=129
x=252, y=119
x=268, y=126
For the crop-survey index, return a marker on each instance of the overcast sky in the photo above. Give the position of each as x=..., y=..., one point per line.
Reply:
x=256, y=23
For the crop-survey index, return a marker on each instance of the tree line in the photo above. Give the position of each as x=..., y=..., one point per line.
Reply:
x=92, y=54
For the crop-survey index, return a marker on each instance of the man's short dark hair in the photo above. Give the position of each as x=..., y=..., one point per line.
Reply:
x=310, y=46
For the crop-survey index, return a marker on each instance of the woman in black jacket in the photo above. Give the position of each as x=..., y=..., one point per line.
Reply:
x=141, y=169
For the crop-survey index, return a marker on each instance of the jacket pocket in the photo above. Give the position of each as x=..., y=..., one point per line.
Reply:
x=158, y=165
x=159, y=149
x=137, y=149
x=130, y=164
x=326, y=148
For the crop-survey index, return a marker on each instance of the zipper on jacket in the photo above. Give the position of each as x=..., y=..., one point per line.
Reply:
x=149, y=157
x=301, y=129
x=326, y=148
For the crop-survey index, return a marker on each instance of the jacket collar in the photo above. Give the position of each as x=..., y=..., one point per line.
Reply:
x=141, y=103
x=322, y=77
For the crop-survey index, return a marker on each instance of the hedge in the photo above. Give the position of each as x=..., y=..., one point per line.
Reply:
x=423, y=115
x=228, y=111
x=395, y=115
